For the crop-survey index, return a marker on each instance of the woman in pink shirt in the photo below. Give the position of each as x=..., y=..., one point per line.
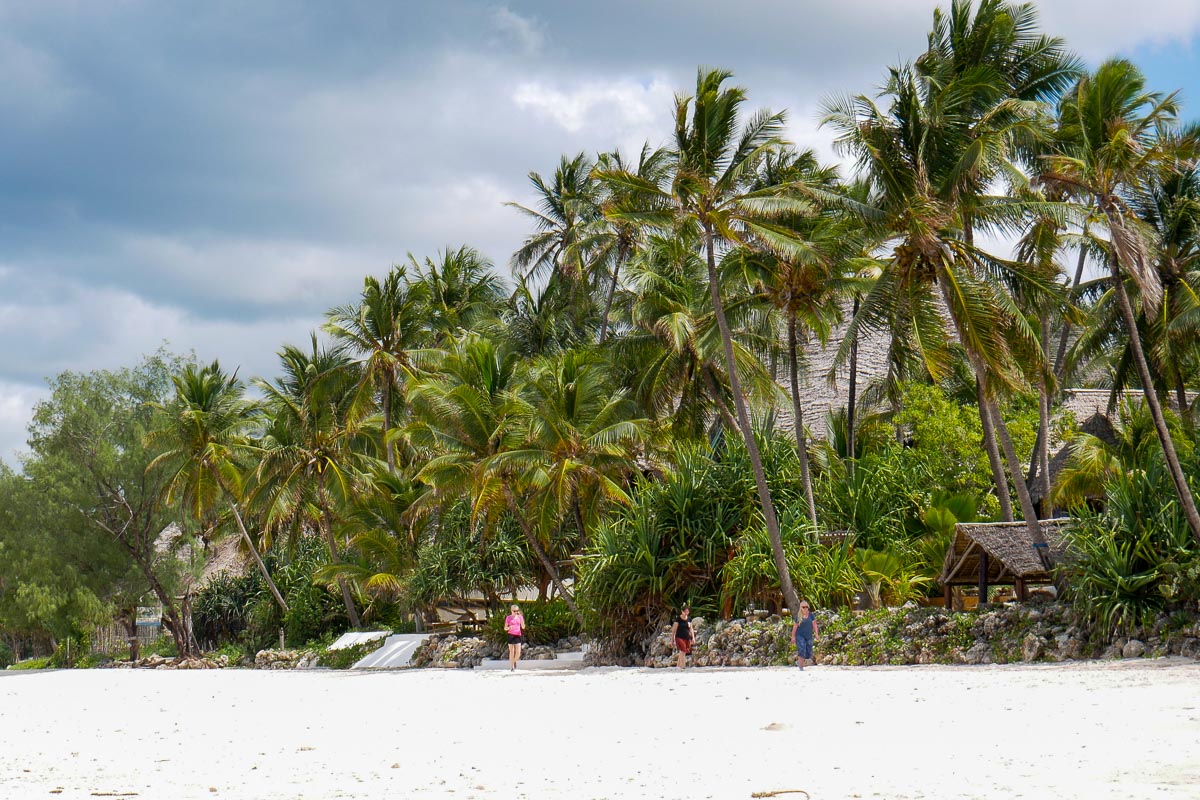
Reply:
x=514, y=625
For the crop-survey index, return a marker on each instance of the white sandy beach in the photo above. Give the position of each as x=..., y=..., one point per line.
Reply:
x=1117, y=729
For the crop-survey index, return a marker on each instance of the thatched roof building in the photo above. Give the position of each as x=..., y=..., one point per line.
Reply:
x=999, y=554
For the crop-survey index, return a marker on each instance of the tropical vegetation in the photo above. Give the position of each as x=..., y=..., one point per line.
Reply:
x=624, y=426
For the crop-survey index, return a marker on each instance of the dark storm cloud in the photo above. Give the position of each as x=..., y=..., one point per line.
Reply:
x=218, y=174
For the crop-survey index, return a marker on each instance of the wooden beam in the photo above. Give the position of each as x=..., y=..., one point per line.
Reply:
x=983, y=577
x=962, y=560
x=1022, y=592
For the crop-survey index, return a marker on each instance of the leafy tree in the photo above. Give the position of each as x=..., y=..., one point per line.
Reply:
x=202, y=442
x=88, y=457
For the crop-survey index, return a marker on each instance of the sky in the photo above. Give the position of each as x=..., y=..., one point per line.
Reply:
x=215, y=176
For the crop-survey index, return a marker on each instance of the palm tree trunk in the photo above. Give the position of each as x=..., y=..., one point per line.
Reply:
x=852, y=395
x=262, y=568
x=612, y=290
x=798, y=422
x=1182, y=490
x=739, y=401
x=327, y=534
x=1060, y=365
x=540, y=552
x=1042, y=446
x=389, y=450
x=722, y=407
x=993, y=451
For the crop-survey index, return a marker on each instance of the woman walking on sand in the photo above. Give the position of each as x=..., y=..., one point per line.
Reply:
x=804, y=631
x=681, y=632
x=514, y=625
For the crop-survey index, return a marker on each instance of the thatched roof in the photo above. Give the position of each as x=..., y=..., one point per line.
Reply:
x=1010, y=552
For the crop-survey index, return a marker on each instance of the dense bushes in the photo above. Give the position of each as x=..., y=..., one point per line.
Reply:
x=1136, y=557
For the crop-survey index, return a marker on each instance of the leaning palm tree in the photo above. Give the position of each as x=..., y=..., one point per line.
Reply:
x=382, y=328
x=308, y=467
x=715, y=160
x=920, y=167
x=206, y=441
x=1114, y=144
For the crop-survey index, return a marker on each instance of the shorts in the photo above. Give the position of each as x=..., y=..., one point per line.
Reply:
x=684, y=645
x=804, y=647
x=516, y=639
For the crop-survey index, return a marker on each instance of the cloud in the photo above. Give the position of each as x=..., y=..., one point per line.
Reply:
x=524, y=30
x=220, y=174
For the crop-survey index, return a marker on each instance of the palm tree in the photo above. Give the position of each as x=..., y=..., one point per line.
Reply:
x=930, y=158
x=466, y=409
x=556, y=252
x=308, y=461
x=581, y=439
x=462, y=292
x=672, y=357
x=1113, y=146
x=614, y=240
x=206, y=440
x=387, y=323
x=715, y=161
x=808, y=289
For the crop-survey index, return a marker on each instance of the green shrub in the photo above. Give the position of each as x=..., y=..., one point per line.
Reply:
x=32, y=663
x=162, y=646
x=70, y=650
x=346, y=657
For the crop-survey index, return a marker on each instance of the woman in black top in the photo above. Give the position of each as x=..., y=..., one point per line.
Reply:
x=681, y=632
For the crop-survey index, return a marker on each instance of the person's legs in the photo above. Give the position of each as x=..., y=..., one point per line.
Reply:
x=512, y=656
x=517, y=654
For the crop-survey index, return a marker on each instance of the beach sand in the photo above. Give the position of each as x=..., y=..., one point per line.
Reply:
x=1116, y=729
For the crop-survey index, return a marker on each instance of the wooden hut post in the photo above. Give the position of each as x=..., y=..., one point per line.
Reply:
x=948, y=595
x=1022, y=590
x=983, y=577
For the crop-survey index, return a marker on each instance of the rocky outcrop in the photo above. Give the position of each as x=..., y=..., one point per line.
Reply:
x=286, y=659
x=164, y=662
x=914, y=635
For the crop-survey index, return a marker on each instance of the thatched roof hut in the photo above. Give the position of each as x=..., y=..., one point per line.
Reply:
x=999, y=554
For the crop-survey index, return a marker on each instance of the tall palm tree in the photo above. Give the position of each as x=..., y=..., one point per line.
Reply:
x=1114, y=144
x=613, y=240
x=715, y=160
x=462, y=291
x=808, y=289
x=557, y=252
x=466, y=412
x=308, y=467
x=206, y=442
x=921, y=167
x=382, y=328
x=672, y=357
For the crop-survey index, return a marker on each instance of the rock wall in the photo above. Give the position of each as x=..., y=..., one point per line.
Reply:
x=914, y=635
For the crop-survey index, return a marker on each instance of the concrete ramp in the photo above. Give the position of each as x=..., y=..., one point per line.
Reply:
x=564, y=661
x=396, y=652
x=357, y=637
